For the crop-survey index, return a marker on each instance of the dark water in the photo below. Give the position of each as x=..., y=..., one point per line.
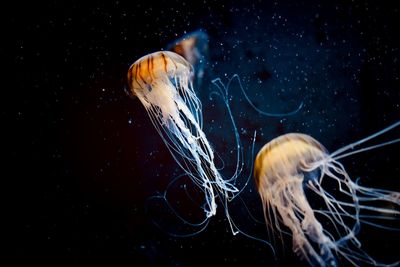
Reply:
x=83, y=158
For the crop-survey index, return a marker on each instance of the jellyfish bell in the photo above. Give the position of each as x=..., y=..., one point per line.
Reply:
x=290, y=164
x=153, y=78
x=283, y=157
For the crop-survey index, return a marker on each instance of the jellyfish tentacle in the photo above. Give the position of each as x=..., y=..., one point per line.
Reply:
x=372, y=136
x=262, y=112
x=201, y=225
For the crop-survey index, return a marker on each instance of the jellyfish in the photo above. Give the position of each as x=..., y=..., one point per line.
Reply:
x=194, y=48
x=162, y=82
x=290, y=168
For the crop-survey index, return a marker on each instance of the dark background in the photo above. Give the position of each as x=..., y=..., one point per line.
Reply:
x=83, y=158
